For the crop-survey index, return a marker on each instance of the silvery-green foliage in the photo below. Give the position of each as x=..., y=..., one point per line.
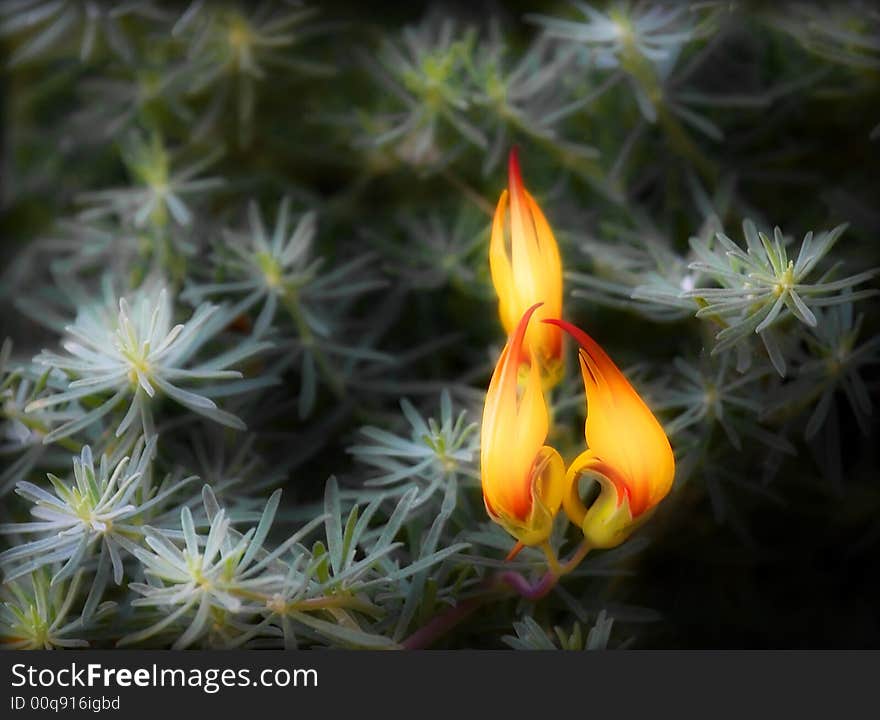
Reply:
x=634, y=266
x=224, y=587
x=132, y=91
x=266, y=267
x=160, y=189
x=49, y=23
x=642, y=43
x=434, y=454
x=275, y=216
x=135, y=355
x=654, y=32
x=279, y=270
x=21, y=436
x=36, y=613
x=638, y=271
x=435, y=251
x=239, y=475
x=704, y=398
x=531, y=636
x=231, y=48
x=100, y=514
x=78, y=246
x=836, y=361
x=523, y=95
x=424, y=73
x=842, y=33
x=760, y=287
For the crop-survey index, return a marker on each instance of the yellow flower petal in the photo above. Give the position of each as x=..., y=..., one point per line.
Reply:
x=526, y=269
x=627, y=445
x=523, y=480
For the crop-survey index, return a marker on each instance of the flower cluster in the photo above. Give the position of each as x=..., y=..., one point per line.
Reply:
x=524, y=481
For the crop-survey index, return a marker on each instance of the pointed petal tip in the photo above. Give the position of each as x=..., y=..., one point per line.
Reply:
x=513, y=170
x=515, y=551
x=579, y=335
x=527, y=316
x=518, y=336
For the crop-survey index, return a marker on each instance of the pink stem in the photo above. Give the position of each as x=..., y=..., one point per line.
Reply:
x=438, y=626
x=441, y=624
x=527, y=590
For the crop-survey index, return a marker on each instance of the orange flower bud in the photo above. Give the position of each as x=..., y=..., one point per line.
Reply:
x=629, y=453
x=522, y=478
x=526, y=269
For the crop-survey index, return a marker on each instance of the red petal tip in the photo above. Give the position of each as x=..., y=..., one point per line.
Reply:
x=519, y=333
x=578, y=334
x=515, y=551
x=513, y=171
x=585, y=341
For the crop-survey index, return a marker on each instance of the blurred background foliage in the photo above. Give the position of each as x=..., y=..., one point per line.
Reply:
x=326, y=175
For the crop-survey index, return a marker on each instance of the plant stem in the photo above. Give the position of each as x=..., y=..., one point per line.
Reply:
x=441, y=624
x=35, y=425
x=497, y=587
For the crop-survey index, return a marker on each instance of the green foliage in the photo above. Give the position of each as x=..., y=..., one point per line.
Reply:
x=245, y=250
